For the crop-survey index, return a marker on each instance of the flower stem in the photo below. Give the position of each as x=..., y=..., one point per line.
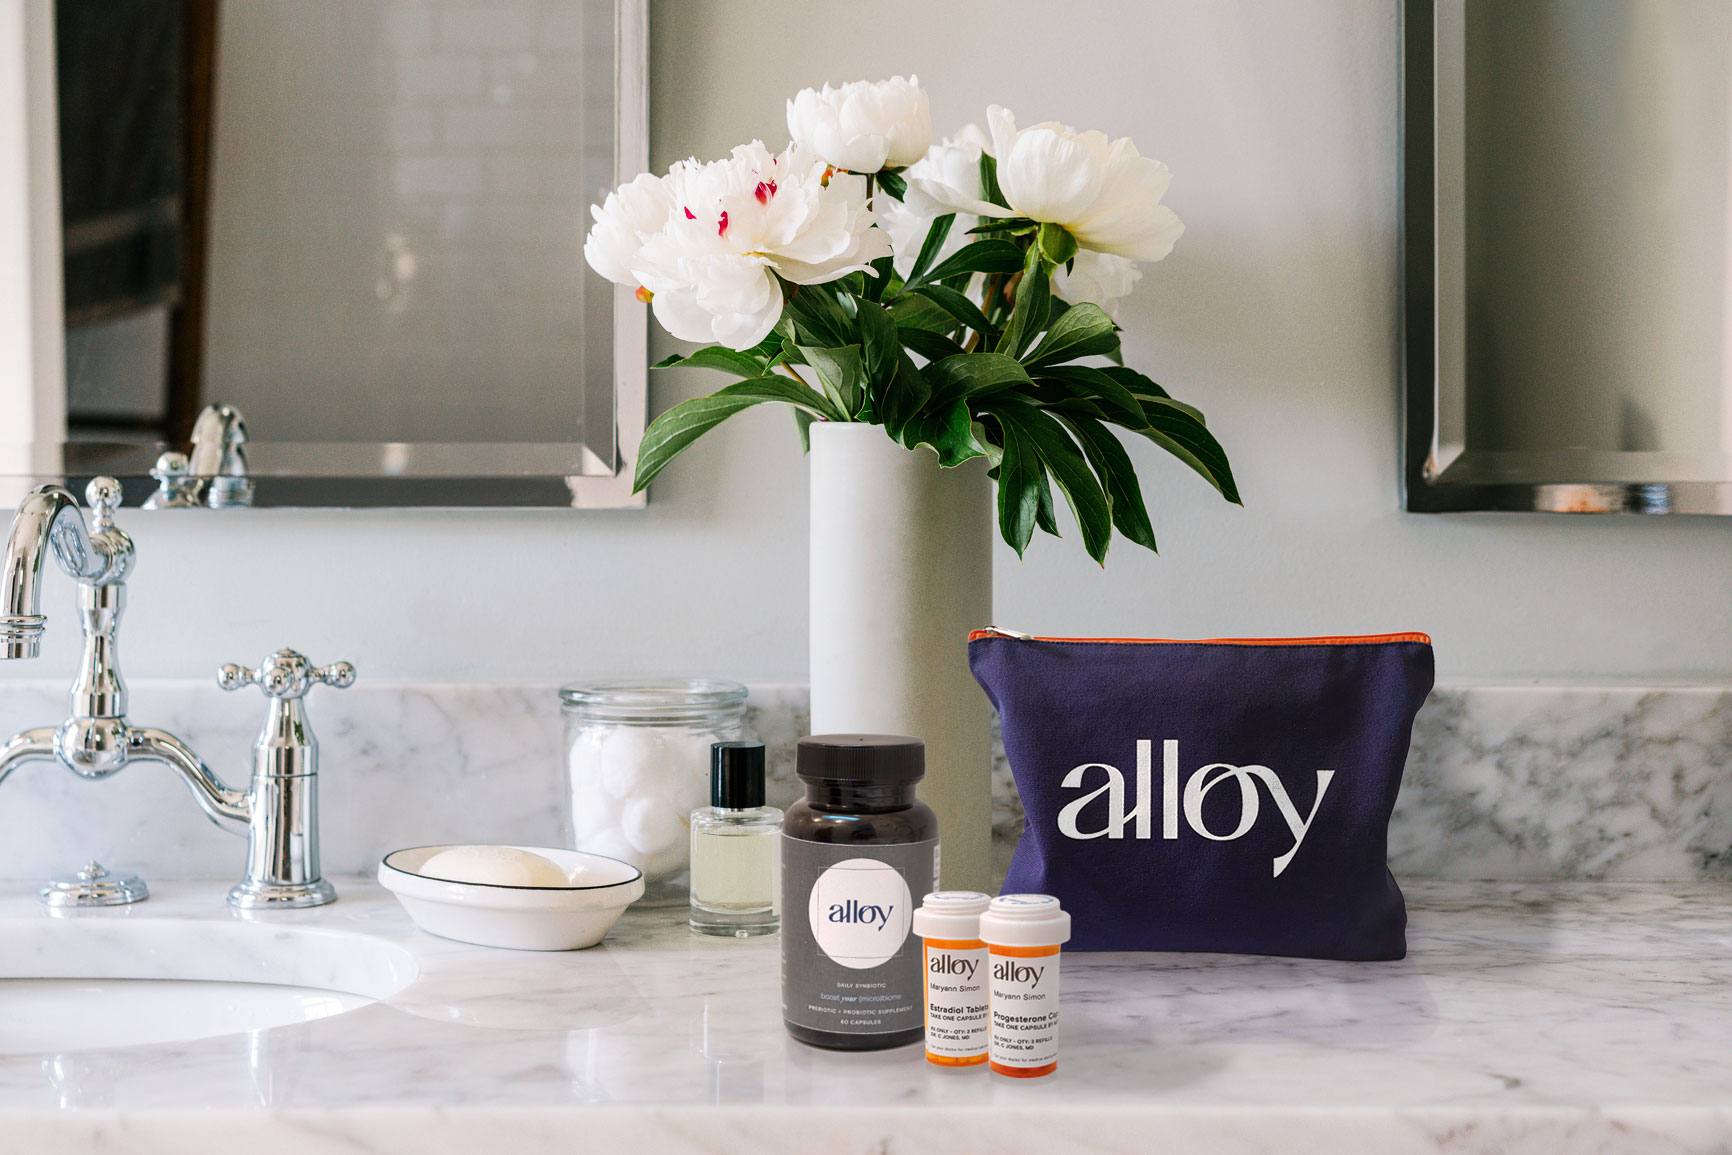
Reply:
x=790, y=371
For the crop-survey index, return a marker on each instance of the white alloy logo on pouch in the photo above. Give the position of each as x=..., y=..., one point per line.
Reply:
x=1205, y=779
x=860, y=912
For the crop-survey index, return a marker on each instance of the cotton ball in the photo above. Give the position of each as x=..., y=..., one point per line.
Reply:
x=592, y=813
x=613, y=844
x=669, y=861
x=653, y=825
x=495, y=866
x=630, y=756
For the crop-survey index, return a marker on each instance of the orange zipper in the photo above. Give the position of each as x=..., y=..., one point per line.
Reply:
x=1342, y=640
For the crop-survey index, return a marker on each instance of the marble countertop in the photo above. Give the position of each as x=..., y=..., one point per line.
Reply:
x=1528, y=1017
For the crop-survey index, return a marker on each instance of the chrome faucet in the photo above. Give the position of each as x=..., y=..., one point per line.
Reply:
x=279, y=812
x=215, y=473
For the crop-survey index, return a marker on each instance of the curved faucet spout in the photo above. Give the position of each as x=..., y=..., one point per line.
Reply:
x=47, y=512
x=30, y=745
x=49, y=516
x=228, y=808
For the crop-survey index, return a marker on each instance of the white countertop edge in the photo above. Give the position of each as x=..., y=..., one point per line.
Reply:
x=1171, y=1129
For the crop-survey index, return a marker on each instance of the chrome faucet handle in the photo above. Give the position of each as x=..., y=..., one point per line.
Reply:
x=100, y=555
x=283, y=839
x=176, y=487
x=286, y=674
x=103, y=496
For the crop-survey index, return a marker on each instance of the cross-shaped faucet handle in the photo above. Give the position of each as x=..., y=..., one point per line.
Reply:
x=286, y=674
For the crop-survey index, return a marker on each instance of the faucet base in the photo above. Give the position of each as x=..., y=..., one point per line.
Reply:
x=281, y=895
x=93, y=886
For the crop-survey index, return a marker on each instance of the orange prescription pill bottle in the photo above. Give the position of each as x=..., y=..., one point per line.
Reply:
x=1023, y=933
x=954, y=962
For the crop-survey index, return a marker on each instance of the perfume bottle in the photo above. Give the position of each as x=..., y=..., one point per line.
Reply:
x=736, y=872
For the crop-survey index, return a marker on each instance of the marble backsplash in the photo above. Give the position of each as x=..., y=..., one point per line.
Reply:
x=1503, y=781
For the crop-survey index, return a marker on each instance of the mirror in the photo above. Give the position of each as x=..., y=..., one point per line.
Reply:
x=349, y=234
x=1568, y=255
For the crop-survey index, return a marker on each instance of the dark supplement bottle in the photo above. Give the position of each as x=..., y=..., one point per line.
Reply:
x=857, y=855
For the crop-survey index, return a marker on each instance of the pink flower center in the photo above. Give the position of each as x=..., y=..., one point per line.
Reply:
x=722, y=228
x=766, y=189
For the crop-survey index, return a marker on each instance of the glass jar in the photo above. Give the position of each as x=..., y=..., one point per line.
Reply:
x=637, y=759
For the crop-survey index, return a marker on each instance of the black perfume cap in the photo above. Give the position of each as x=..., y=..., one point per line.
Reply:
x=888, y=759
x=737, y=775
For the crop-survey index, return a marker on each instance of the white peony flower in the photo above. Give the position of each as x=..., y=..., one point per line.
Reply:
x=1097, y=279
x=863, y=127
x=630, y=214
x=1102, y=191
x=734, y=224
x=953, y=164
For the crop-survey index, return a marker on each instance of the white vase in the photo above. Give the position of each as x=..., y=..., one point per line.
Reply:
x=901, y=571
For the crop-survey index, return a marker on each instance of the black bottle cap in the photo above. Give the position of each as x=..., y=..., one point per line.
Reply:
x=737, y=775
x=882, y=758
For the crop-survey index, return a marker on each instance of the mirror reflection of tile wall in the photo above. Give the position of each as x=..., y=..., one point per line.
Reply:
x=399, y=198
x=1599, y=289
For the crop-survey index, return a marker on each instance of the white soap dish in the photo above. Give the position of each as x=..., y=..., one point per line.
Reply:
x=516, y=917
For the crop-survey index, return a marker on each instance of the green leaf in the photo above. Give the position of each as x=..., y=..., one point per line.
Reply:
x=716, y=357
x=879, y=342
x=1141, y=386
x=989, y=190
x=1019, y=475
x=1119, y=404
x=1043, y=511
x=803, y=422
x=1113, y=466
x=949, y=431
x=893, y=183
x=1009, y=226
x=1055, y=243
x=935, y=237
x=983, y=438
x=1087, y=501
x=904, y=397
x=819, y=314
x=913, y=311
x=930, y=345
x=883, y=273
x=1082, y=331
x=1177, y=431
x=842, y=372
x=669, y=435
x=959, y=307
x=968, y=376
x=1136, y=382
x=988, y=256
x=1028, y=317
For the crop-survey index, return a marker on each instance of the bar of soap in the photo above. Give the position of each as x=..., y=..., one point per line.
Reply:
x=495, y=865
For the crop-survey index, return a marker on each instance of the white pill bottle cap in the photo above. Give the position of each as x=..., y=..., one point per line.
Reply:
x=1024, y=920
x=951, y=914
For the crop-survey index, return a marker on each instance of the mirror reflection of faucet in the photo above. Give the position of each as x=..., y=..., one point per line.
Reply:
x=214, y=474
x=279, y=811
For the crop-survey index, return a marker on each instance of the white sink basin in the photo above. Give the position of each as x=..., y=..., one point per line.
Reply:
x=39, y=1016
x=98, y=982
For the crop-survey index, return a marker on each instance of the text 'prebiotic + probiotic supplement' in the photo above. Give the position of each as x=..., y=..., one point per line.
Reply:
x=1022, y=934
x=955, y=963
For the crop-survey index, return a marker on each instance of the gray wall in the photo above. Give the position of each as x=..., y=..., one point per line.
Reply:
x=1277, y=314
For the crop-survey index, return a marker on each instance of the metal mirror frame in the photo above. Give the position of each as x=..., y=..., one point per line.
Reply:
x=1439, y=473
x=447, y=475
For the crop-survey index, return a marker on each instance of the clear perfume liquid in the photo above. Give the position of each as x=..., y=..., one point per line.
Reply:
x=736, y=871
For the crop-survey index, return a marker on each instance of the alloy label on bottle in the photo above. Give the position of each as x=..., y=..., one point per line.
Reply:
x=1023, y=985
x=956, y=980
x=849, y=964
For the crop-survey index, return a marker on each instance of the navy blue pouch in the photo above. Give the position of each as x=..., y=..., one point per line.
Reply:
x=1227, y=795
